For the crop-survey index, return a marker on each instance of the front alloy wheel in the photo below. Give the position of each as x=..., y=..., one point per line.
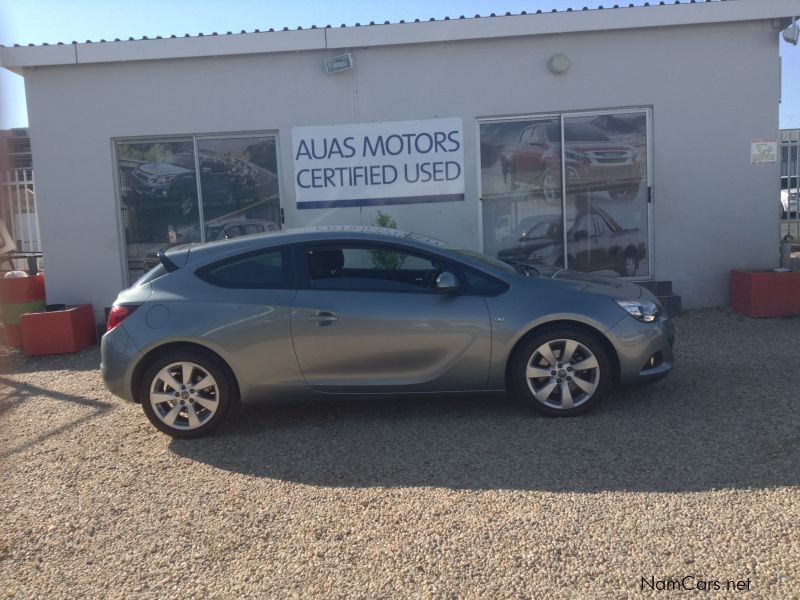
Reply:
x=562, y=372
x=630, y=264
x=185, y=395
x=550, y=187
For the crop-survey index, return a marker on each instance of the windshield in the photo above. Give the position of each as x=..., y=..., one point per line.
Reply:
x=582, y=132
x=544, y=230
x=183, y=160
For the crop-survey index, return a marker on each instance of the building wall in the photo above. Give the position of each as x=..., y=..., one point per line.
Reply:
x=711, y=88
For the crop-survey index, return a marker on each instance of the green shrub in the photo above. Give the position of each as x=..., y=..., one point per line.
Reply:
x=386, y=259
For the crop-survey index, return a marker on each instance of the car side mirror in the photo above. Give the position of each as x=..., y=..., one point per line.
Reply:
x=581, y=235
x=446, y=282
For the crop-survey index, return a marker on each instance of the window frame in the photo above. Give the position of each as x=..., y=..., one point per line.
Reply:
x=561, y=117
x=195, y=138
x=287, y=259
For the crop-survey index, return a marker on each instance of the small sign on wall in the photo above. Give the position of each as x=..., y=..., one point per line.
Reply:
x=763, y=152
x=373, y=164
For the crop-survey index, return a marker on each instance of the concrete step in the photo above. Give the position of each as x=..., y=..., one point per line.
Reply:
x=659, y=288
x=671, y=304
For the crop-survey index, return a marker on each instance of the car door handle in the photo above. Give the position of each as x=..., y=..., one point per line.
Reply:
x=323, y=317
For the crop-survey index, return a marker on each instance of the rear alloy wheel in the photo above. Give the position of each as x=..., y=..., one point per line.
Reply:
x=186, y=205
x=561, y=372
x=186, y=394
x=550, y=187
x=629, y=266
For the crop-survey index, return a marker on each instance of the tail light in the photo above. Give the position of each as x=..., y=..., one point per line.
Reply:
x=119, y=313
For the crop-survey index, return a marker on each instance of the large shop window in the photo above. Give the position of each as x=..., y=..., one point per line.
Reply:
x=568, y=191
x=166, y=204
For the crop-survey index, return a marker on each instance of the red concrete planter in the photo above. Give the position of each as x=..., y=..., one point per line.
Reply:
x=17, y=297
x=765, y=293
x=58, y=331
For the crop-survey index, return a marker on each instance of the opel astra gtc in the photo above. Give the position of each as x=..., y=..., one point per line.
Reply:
x=369, y=311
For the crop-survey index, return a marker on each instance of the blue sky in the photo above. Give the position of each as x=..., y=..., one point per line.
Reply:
x=38, y=21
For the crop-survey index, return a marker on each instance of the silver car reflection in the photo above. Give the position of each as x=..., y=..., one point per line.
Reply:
x=363, y=310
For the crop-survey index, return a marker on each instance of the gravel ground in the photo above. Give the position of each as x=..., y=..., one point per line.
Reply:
x=454, y=497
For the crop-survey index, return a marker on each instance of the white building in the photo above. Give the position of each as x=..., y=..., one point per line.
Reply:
x=637, y=140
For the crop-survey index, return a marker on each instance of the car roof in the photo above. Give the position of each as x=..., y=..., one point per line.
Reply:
x=216, y=250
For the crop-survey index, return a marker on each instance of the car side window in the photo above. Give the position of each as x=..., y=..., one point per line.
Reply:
x=598, y=225
x=370, y=268
x=262, y=270
x=581, y=227
x=538, y=136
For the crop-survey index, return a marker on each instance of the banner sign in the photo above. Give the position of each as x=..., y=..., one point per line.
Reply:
x=369, y=164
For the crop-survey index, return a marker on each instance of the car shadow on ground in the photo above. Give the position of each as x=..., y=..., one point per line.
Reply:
x=680, y=434
x=14, y=393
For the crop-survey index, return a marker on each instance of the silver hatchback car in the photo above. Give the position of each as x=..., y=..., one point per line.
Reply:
x=369, y=311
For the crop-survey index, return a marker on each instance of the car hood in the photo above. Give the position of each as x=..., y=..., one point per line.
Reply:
x=524, y=249
x=597, y=284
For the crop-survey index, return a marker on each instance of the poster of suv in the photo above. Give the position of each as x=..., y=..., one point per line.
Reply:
x=159, y=181
x=597, y=186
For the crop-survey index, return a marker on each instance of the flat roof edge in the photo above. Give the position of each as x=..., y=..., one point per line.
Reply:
x=667, y=15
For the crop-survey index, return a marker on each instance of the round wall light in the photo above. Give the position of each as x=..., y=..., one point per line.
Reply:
x=559, y=64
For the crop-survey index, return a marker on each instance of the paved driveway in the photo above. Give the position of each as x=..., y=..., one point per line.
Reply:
x=697, y=475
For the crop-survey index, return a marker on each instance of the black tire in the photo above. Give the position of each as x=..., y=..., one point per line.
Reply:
x=222, y=396
x=186, y=205
x=600, y=378
x=629, y=265
x=550, y=183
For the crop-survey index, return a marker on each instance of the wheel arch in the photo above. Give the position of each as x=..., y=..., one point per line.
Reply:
x=631, y=250
x=583, y=327
x=155, y=353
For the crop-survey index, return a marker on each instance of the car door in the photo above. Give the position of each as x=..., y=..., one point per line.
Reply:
x=580, y=243
x=368, y=319
x=531, y=163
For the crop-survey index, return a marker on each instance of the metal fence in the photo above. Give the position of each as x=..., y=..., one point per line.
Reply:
x=790, y=183
x=18, y=219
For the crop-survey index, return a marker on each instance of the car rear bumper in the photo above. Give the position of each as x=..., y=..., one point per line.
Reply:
x=644, y=349
x=117, y=357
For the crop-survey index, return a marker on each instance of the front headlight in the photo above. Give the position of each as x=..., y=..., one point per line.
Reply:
x=646, y=312
x=577, y=156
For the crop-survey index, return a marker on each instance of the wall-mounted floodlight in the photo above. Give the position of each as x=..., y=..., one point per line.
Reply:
x=334, y=64
x=792, y=33
x=559, y=64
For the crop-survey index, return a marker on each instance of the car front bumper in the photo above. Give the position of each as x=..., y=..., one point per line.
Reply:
x=611, y=175
x=644, y=349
